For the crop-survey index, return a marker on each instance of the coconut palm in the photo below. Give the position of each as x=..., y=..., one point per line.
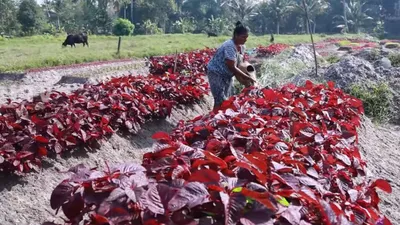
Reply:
x=313, y=8
x=279, y=10
x=242, y=9
x=355, y=15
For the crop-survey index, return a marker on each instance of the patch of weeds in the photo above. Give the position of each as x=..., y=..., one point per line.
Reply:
x=395, y=59
x=376, y=100
x=343, y=43
x=280, y=69
x=333, y=59
x=375, y=54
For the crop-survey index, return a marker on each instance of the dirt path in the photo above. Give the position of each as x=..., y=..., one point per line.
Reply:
x=380, y=146
x=26, y=86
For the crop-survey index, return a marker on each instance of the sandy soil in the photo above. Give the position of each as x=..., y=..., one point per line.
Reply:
x=380, y=146
x=26, y=86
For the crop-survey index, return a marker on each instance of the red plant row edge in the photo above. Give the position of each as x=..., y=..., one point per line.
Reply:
x=283, y=156
x=271, y=50
x=55, y=122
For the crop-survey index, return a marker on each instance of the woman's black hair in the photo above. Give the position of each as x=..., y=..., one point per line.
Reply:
x=240, y=29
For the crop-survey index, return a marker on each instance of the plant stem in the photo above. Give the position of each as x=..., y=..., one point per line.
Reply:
x=312, y=38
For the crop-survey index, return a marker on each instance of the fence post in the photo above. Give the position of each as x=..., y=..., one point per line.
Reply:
x=176, y=60
x=119, y=44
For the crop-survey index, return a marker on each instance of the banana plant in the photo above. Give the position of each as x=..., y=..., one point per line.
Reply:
x=356, y=15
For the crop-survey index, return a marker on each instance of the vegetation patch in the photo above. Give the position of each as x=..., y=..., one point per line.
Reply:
x=376, y=99
x=33, y=52
x=333, y=59
x=395, y=59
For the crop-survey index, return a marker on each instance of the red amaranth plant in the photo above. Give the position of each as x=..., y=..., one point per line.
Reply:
x=269, y=156
x=270, y=50
x=191, y=62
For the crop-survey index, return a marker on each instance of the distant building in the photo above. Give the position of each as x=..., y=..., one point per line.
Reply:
x=391, y=14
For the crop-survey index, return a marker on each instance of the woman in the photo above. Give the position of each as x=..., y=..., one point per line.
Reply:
x=224, y=65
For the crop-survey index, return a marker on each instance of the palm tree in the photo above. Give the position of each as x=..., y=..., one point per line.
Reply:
x=118, y=4
x=355, y=15
x=313, y=7
x=279, y=10
x=346, y=25
x=243, y=9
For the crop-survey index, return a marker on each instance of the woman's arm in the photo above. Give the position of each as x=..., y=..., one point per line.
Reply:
x=231, y=64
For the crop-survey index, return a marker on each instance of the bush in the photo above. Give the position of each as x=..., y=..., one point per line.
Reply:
x=148, y=27
x=123, y=27
x=333, y=59
x=395, y=60
x=376, y=100
x=183, y=25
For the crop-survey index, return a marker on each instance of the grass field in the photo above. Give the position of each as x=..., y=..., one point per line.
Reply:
x=43, y=51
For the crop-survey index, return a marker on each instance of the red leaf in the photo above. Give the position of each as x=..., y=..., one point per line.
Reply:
x=161, y=136
x=98, y=219
x=383, y=185
x=214, y=159
x=386, y=221
x=331, y=85
x=264, y=198
x=205, y=176
x=41, y=139
x=42, y=151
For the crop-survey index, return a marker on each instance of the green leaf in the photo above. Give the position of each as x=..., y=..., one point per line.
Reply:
x=282, y=201
x=237, y=190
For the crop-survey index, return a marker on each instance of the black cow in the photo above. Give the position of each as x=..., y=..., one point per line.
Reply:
x=73, y=39
x=211, y=34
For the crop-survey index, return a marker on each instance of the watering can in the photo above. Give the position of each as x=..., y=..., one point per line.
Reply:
x=248, y=69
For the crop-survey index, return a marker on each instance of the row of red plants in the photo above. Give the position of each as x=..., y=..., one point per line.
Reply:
x=191, y=62
x=269, y=156
x=356, y=44
x=271, y=50
x=55, y=122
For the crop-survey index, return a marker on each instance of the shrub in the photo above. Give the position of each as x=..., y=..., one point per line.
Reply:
x=333, y=59
x=376, y=100
x=395, y=60
x=148, y=27
x=183, y=25
x=123, y=27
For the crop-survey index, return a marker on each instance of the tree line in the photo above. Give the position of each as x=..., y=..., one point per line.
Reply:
x=27, y=17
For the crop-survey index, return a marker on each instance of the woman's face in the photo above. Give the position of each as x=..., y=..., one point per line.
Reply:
x=241, y=39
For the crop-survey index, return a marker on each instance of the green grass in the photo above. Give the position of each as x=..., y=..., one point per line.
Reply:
x=43, y=51
x=376, y=100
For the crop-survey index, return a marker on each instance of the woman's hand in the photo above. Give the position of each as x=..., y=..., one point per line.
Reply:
x=242, y=77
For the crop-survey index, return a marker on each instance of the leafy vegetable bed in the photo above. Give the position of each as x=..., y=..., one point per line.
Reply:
x=58, y=122
x=271, y=156
x=192, y=62
x=271, y=50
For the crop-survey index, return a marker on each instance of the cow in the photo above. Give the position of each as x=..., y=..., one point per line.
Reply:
x=211, y=34
x=73, y=39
